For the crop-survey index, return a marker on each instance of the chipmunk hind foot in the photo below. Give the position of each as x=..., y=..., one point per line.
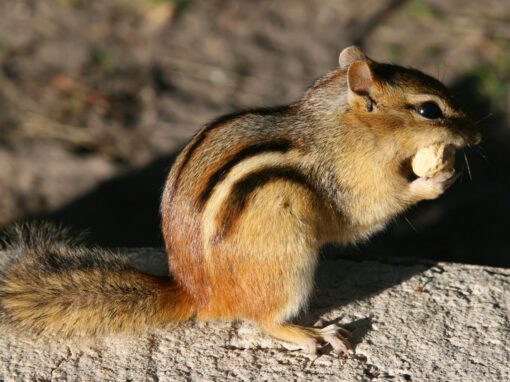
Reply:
x=311, y=338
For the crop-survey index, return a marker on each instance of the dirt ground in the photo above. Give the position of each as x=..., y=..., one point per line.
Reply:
x=97, y=97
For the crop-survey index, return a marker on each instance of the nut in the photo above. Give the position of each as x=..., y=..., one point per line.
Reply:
x=434, y=159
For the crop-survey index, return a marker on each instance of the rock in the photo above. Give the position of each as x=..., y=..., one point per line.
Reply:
x=411, y=320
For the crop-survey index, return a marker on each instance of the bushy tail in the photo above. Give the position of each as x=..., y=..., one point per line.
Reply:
x=54, y=284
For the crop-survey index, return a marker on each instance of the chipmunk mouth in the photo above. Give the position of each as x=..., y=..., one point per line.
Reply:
x=440, y=157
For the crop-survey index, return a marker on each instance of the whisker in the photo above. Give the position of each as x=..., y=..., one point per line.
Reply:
x=467, y=165
x=411, y=225
x=483, y=118
x=480, y=151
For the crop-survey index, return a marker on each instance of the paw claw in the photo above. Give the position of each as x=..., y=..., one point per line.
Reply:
x=336, y=336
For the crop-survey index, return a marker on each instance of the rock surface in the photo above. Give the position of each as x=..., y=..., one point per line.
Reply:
x=411, y=321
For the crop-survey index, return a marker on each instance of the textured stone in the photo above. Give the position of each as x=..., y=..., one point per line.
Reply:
x=411, y=321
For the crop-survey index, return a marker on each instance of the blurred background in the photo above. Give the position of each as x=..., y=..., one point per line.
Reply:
x=98, y=97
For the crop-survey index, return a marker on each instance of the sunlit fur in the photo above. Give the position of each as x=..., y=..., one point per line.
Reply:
x=59, y=286
x=261, y=268
x=247, y=205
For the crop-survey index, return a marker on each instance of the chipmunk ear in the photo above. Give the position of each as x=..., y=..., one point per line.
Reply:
x=360, y=78
x=349, y=55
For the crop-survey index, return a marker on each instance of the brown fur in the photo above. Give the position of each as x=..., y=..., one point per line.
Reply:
x=249, y=202
x=60, y=286
x=255, y=237
x=245, y=187
x=238, y=155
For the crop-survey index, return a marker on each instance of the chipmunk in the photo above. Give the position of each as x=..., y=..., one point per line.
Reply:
x=247, y=205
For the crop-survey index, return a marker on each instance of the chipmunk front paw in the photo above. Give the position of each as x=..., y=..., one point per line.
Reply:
x=430, y=188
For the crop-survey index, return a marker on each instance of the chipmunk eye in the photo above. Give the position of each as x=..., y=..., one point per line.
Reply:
x=429, y=110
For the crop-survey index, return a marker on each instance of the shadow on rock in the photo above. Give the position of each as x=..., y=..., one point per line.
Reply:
x=121, y=212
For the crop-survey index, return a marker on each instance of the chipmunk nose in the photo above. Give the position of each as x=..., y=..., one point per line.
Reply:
x=467, y=138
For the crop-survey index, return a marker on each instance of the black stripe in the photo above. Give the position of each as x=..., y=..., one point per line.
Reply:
x=202, y=135
x=281, y=146
x=189, y=153
x=245, y=187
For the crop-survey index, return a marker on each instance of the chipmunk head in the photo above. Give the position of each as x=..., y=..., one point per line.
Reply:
x=403, y=109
